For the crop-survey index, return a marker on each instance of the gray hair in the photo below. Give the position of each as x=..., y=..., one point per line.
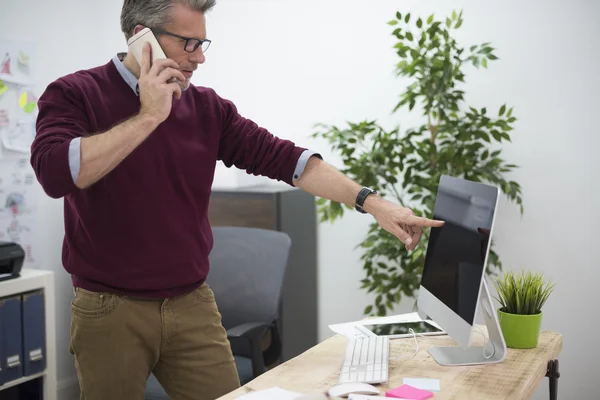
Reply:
x=155, y=13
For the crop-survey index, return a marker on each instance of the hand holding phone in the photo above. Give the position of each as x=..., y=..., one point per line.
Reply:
x=156, y=85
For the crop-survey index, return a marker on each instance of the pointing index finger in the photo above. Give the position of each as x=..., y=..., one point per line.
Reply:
x=421, y=221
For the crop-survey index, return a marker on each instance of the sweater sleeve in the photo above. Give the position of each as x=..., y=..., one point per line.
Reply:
x=254, y=149
x=60, y=120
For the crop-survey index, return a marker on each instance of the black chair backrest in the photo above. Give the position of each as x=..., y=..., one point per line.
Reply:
x=247, y=269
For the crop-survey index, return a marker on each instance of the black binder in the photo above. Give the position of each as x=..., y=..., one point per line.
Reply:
x=11, y=335
x=34, y=333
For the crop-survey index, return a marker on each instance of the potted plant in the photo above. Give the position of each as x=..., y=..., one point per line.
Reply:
x=521, y=296
x=404, y=164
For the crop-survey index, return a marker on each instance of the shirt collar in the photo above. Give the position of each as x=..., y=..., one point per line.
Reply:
x=127, y=75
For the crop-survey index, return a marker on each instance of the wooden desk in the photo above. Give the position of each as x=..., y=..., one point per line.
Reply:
x=316, y=370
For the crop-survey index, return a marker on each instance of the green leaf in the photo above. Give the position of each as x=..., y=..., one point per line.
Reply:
x=484, y=62
x=458, y=24
x=502, y=110
x=409, y=36
x=398, y=15
x=393, y=22
x=448, y=22
x=407, y=18
x=430, y=19
x=419, y=23
x=454, y=15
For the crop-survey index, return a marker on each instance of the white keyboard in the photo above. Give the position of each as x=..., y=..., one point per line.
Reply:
x=366, y=360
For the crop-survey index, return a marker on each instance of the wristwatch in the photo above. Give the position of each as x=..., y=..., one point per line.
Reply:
x=361, y=197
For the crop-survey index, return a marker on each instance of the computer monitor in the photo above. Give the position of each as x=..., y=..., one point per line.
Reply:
x=453, y=287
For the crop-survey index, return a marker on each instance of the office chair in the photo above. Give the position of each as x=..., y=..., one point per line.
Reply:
x=247, y=269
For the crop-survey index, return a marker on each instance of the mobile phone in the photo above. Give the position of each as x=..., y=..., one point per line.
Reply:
x=137, y=42
x=400, y=329
x=136, y=46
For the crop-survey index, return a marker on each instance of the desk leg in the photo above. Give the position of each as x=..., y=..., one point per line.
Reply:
x=553, y=374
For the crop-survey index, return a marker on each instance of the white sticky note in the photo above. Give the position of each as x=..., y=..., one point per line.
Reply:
x=355, y=396
x=432, y=385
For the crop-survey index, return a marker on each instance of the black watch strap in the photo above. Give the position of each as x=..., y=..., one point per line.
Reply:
x=361, y=197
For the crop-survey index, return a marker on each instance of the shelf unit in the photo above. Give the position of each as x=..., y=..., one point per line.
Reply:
x=31, y=280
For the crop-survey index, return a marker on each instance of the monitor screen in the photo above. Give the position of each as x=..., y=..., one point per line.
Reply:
x=456, y=252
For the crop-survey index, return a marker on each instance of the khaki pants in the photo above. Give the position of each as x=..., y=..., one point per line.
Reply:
x=118, y=341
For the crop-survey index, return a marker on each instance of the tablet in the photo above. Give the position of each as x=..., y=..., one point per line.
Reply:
x=401, y=329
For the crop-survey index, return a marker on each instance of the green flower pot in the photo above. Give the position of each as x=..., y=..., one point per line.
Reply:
x=520, y=331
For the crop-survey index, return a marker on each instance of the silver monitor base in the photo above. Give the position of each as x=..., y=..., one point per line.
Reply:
x=495, y=349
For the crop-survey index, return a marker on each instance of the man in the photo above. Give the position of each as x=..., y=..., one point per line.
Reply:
x=134, y=157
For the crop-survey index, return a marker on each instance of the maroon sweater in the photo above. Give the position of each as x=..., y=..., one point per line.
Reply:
x=143, y=229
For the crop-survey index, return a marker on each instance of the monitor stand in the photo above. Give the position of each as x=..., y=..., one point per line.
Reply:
x=477, y=355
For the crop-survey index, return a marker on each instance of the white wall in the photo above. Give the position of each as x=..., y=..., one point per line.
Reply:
x=289, y=64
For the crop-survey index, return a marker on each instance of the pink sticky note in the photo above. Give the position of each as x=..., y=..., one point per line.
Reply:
x=408, y=392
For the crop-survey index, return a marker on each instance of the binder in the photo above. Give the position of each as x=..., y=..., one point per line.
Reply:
x=11, y=365
x=34, y=333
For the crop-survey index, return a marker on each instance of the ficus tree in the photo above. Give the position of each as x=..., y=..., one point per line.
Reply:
x=405, y=165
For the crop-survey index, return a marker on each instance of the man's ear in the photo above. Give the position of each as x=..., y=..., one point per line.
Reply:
x=137, y=29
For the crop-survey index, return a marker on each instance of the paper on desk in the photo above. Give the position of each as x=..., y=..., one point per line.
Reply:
x=355, y=396
x=349, y=330
x=273, y=393
x=432, y=385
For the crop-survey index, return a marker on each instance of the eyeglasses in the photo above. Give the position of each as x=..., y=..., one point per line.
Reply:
x=190, y=44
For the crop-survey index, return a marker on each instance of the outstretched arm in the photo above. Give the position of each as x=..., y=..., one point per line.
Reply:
x=323, y=180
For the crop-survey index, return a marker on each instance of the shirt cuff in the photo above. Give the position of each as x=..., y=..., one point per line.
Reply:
x=75, y=157
x=302, y=161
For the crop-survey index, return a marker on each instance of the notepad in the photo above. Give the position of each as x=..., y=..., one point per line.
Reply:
x=409, y=392
x=432, y=385
x=355, y=396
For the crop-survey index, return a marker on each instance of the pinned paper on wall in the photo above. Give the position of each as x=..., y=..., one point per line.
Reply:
x=18, y=207
x=17, y=97
x=27, y=101
x=3, y=119
x=18, y=189
x=5, y=65
x=23, y=59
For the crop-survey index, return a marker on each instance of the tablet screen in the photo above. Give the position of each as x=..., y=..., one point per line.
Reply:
x=402, y=328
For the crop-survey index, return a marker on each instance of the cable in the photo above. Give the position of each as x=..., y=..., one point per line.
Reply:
x=416, y=348
x=486, y=340
x=443, y=336
x=477, y=330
